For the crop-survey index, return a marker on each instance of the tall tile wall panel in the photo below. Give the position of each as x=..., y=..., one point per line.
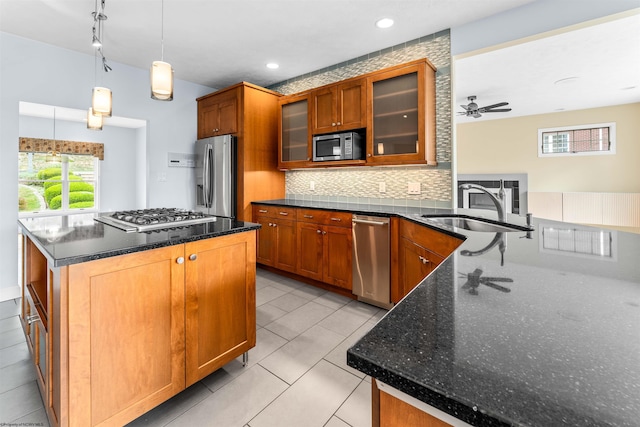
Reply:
x=363, y=183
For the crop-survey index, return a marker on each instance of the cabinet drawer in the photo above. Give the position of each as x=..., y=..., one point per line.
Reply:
x=436, y=242
x=274, y=212
x=338, y=219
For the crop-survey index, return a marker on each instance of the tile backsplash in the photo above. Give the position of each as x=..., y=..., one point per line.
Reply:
x=363, y=183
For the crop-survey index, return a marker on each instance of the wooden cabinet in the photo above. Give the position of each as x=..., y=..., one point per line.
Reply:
x=218, y=114
x=120, y=335
x=401, y=115
x=339, y=107
x=416, y=251
x=249, y=112
x=391, y=411
x=220, y=303
x=276, y=242
x=325, y=246
x=294, y=131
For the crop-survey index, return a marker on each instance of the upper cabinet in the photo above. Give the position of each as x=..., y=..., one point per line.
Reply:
x=339, y=107
x=294, y=131
x=401, y=125
x=218, y=114
x=395, y=106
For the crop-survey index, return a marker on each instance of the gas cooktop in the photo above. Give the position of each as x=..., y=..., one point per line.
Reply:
x=153, y=219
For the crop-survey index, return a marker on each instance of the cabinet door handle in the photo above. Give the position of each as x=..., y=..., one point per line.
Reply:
x=333, y=124
x=274, y=225
x=193, y=257
x=318, y=231
x=336, y=219
x=423, y=259
x=324, y=232
x=339, y=123
x=262, y=210
x=308, y=216
x=180, y=260
x=32, y=318
x=284, y=213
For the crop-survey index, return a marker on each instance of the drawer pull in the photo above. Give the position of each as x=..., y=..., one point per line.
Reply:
x=336, y=219
x=193, y=257
x=308, y=216
x=180, y=260
x=423, y=259
x=284, y=213
x=263, y=210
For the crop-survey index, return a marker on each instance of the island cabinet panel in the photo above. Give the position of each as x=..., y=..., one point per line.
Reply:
x=418, y=251
x=126, y=335
x=220, y=302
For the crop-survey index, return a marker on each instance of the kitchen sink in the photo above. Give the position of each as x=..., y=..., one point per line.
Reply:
x=475, y=223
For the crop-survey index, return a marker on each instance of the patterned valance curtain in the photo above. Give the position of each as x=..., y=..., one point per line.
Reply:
x=42, y=145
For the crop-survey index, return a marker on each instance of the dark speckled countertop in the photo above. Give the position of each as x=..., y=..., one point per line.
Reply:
x=561, y=347
x=72, y=239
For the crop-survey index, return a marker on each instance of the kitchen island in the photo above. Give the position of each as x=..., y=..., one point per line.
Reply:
x=520, y=329
x=119, y=322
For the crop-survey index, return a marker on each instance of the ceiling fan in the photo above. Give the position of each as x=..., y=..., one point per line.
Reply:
x=473, y=110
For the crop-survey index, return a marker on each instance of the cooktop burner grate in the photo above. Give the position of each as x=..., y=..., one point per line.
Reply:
x=156, y=218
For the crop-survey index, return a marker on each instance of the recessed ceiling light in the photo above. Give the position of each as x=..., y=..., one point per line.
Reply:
x=384, y=23
x=272, y=65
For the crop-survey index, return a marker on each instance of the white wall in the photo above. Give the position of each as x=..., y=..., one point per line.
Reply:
x=36, y=72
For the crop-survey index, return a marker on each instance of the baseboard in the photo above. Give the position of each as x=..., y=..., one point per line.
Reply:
x=11, y=292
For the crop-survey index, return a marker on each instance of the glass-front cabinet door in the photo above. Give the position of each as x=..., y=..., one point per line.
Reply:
x=401, y=127
x=294, y=127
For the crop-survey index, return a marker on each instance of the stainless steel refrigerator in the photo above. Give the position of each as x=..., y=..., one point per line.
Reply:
x=216, y=175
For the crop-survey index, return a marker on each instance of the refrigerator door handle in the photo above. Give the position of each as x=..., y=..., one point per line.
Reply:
x=206, y=176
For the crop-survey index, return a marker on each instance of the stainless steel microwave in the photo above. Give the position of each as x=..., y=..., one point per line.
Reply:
x=338, y=146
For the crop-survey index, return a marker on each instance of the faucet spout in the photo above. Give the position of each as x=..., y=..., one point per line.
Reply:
x=498, y=201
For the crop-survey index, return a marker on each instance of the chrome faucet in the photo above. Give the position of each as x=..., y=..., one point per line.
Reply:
x=498, y=201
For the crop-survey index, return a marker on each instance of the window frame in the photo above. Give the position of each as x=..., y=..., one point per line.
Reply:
x=65, y=188
x=610, y=151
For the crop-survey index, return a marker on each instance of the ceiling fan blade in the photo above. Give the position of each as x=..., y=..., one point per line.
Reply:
x=499, y=104
x=465, y=107
x=498, y=110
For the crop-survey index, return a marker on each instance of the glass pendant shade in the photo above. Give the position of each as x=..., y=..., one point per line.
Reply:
x=94, y=121
x=101, y=101
x=161, y=81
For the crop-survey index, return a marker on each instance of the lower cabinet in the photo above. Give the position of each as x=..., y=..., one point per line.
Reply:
x=418, y=251
x=325, y=253
x=128, y=332
x=276, y=242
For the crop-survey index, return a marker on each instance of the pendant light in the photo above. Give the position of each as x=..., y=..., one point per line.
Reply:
x=101, y=101
x=161, y=73
x=94, y=122
x=53, y=156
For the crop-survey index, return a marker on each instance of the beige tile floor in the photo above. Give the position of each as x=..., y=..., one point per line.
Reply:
x=296, y=375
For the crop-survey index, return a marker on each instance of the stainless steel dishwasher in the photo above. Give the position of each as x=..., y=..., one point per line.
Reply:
x=371, y=260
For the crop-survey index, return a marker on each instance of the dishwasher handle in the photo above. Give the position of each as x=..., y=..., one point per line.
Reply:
x=366, y=221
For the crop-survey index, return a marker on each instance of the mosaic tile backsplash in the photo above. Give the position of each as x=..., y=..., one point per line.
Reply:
x=363, y=182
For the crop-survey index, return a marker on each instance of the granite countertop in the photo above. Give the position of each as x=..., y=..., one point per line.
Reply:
x=555, y=343
x=72, y=239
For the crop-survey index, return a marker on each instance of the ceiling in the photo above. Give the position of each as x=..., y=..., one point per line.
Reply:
x=592, y=66
x=218, y=43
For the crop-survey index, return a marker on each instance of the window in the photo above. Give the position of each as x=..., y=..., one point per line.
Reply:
x=577, y=140
x=56, y=183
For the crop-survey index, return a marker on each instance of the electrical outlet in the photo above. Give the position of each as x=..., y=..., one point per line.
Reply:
x=312, y=185
x=413, y=188
x=382, y=187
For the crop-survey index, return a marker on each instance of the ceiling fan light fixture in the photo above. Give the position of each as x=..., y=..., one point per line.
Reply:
x=161, y=81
